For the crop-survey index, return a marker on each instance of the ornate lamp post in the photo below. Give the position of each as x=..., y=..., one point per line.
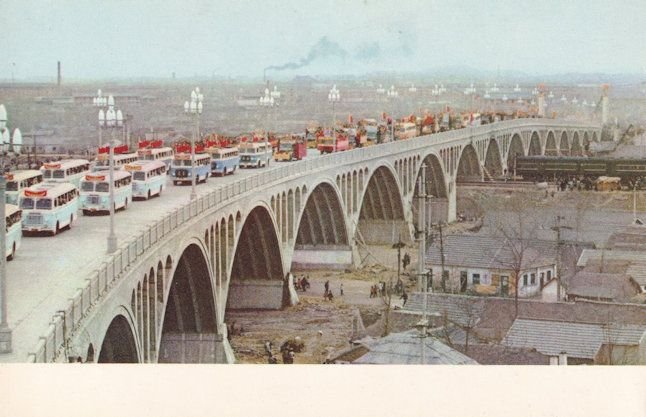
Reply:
x=5, y=331
x=194, y=109
x=100, y=101
x=268, y=101
x=111, y=119
x=392, y=95
x=333, y=97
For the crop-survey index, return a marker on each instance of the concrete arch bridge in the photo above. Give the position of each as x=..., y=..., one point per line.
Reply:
x=164, y=296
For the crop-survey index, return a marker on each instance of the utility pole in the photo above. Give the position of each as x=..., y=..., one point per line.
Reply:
x=557, y=228
x=442, y=257
x=422, y=277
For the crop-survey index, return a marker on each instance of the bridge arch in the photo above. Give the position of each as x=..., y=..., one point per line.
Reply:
x=534, y=145
x=256, y=278
x=564, y=144
x=381, y=216
x=586, y=141
x=189, y=316
x=493, y=161
x=436, y=187
x=576, y=149
x=468, y=165
x=119, y=345
x=550, y=145
x=515, y=150
x=322, y=220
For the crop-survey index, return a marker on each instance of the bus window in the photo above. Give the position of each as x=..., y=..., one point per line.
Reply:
x=12, y=186
x=59, y=173
x=47, y=173
x=87, y=186
x=102, y=187
x=44, y=204
x=27, y=203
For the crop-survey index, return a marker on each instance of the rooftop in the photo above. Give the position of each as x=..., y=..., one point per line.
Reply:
x=492, y=252
x=602, y=285
x=579, y=340
x=405, y=349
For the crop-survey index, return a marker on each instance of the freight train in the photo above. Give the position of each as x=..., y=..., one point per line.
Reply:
x=541, y=168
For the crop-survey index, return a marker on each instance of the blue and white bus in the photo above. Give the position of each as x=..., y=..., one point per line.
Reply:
x=255, y=154
x=18, y=181
x=148, y=178
x=120, y=159
x=157, y=154
x=224, y=160
x=14, y=230
x=95, y=192
x=49, y=207
x=67, y=170
x=181, y=171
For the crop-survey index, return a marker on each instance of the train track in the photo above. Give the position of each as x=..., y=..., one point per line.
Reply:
x=498, y=184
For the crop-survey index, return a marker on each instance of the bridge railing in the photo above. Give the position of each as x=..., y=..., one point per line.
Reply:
x=66, y=322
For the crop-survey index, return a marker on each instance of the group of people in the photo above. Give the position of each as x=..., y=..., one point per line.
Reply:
x=378, y=289
x=327, y=295
x=302, y=283
x=287, y=353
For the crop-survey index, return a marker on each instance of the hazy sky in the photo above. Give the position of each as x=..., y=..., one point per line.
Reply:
x=121, y=38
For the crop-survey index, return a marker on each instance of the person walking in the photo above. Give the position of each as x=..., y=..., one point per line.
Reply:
x=341, y=290
x=404, y=297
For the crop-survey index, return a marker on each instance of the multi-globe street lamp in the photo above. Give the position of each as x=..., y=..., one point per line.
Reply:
x=268, y=101
x=194, y=110
x=111, y=119
x=392, y=94
x=334, y=96
x=100, y=101
x=5, y=331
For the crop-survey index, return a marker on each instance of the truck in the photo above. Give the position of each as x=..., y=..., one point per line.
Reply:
x=327, y=144
x=292, y=149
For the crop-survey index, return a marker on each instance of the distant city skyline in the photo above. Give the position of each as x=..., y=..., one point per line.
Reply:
x=123, y=39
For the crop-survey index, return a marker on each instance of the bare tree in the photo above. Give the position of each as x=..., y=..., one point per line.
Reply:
x=515, y=225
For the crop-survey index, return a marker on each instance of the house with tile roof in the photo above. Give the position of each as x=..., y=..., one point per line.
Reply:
x=481, y=264
x=583, y=343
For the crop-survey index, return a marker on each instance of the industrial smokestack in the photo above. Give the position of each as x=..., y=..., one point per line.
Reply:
x=59, y=74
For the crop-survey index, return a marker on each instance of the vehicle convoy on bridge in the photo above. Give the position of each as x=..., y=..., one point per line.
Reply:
x=255, y=154
x=49, y=207
x=18, y=181
x=224, y=160
x=155, y=151
x=234, y=243
x=121, y=156
x=66, y=170
x=183, y=169
x=95, y=192
x=148, y=177
x=330, y=144
x=291, y=149
x=13, y=237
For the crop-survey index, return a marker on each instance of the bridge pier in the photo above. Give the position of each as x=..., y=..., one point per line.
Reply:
x=383, y=232
x=451, y=212
x=259, y=294
x=180, y=347
x=322, y=257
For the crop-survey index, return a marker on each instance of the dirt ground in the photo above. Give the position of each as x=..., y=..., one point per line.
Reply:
x=325, y=327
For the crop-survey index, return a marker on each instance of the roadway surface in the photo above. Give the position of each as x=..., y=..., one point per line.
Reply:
x=47, y=270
